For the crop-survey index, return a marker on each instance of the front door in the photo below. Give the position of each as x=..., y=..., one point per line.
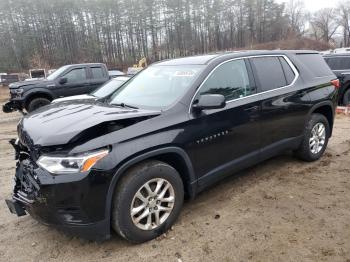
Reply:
x=76, y=83
x=227, y=139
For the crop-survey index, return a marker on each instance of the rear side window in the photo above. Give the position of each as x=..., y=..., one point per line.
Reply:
x=230, y=79
x=288, y=72
x=338, y=63
x=97, y=72
x=316, y=64
x=269, y=72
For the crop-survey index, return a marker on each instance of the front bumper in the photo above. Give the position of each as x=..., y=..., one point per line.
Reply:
x=12, y=106
x=74, y=204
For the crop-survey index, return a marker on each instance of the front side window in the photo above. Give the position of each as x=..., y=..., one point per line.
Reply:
x=230, y=80
x=157, y=86
x=76, y=75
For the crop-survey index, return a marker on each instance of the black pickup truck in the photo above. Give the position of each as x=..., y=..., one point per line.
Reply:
x=68, y=80
x=340, y=65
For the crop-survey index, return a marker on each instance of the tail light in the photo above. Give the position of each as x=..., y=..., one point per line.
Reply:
x=336, y=83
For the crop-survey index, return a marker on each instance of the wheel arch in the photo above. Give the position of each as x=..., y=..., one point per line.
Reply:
x=36, y=94
x=327, y=109
x=174, y=156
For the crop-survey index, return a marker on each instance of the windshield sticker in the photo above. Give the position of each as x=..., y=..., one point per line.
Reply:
x=184, y=73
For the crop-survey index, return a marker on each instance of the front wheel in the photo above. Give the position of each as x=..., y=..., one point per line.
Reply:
x=315, y=139
x=147, y=201
x=37, y=103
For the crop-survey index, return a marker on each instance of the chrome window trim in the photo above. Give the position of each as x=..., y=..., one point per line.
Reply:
x=292, y=66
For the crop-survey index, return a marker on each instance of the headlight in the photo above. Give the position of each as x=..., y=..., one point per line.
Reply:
x=18, y=91
x=71, y=164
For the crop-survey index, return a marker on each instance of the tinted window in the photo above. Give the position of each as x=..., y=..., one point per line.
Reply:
x=76, y=75
x=230, y=80
x=288, y=72
x=97, y=72
x=269, y=72
x=338, y=63
x=316, y=64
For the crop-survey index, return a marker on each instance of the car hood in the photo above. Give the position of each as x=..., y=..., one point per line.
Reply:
x=59, y=123
x=70, y=98
x=21, y=84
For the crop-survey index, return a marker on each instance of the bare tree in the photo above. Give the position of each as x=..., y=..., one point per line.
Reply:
x=297, y=16
x=324, y=24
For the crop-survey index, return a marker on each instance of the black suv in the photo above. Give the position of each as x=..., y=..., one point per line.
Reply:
x=69, y=80
x=340, y=64
x=168, y=133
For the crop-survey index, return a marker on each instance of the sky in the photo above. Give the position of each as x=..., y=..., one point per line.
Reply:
x=314, y=5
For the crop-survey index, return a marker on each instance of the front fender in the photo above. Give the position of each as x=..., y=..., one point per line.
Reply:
x=192, y=183
x=38, y=91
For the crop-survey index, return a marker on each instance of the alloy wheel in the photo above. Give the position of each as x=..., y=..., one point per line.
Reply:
x=152, y=204
x=318, y=138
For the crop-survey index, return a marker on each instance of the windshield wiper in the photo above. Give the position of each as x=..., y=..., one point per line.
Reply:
x=126, y=105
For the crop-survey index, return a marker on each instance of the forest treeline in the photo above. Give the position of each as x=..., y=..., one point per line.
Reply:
x=50, y=33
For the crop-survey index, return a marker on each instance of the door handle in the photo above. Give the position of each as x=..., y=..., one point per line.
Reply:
x=252, y=109
x=301, y=94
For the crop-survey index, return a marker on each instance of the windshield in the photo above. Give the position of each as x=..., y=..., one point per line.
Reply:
x=109, y=87
x=55, y=74
x=157, y=86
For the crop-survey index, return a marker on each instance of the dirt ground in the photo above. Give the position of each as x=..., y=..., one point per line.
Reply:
x=280, y=210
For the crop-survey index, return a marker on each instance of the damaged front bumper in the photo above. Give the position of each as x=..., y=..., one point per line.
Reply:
x=73, y=203
x=12, y=106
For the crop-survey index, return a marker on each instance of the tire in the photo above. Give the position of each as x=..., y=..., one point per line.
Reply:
x=133, y=182
x=346, y=98
x=310, y=153
x=37, y=103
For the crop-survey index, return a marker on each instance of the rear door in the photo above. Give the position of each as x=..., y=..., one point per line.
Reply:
x=98, y=76
x=285, y=104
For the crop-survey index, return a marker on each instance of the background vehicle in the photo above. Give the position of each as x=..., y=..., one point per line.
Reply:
x=6, y=79
x=103, y=92
x=68, y=80
x=170, y=132
x=137, y=67
x=340, y=65
x=35, y=74
x=115, y=73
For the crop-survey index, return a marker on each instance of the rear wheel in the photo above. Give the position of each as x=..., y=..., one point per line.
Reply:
x=346, y=98
x=315, y=139
x=147, y=201
x=36, y=103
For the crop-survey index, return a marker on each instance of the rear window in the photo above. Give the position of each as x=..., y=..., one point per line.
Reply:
x=269, y=72
x=338, y=63
x=316, y=64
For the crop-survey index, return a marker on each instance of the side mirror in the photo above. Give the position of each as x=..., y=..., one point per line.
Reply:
x=62, y=81
x=210, y=101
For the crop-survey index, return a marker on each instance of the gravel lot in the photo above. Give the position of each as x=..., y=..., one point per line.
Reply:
x=280, y=210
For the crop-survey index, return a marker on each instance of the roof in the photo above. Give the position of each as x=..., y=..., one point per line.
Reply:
x=336, y=55
x=205, y=59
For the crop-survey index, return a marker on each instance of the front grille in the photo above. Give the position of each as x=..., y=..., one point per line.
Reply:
x=27, y=187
